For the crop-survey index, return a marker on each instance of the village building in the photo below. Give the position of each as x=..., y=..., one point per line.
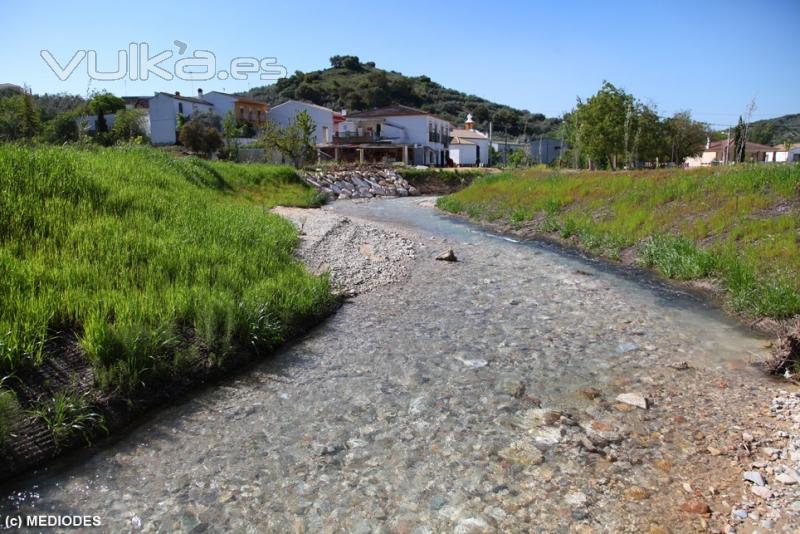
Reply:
x=246, y=110
x=325, y=119
x=783, y=154
x=164, y=109
x=468, y=146
x=391, y=134
x=724, y=152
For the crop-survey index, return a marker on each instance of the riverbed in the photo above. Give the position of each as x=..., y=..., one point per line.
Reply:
x=473, y=396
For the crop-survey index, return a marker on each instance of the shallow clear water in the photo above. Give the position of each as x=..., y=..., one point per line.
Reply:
x=389, y=416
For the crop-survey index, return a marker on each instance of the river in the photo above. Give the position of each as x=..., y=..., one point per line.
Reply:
x=476, y=396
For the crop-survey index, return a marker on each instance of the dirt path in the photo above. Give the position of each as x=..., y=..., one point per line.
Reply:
x=477, y=396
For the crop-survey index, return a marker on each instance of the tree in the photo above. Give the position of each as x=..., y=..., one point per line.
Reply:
x=231, y=132
x=50, y=105
x=129, y=125
x=346, y=62
x=308, y=91
x=519, y=158
x=105, y=102
x=739, y=141
x=296, y=141
x=63, y=128
x=19, y=117
x=685, y=137
x=481, y=114
x=602, y=121
x=200, y=134
x=650, y=141
x=101, y=125
x=31, y=121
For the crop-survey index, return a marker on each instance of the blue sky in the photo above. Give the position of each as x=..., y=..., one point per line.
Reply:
x=711, y=57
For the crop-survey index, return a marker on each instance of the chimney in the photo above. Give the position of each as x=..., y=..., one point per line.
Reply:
x=470, y=124
x=200, y=94
x=708, y=142
x=177, y=93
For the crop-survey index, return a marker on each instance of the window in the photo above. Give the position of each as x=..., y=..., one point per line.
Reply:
x=180, y=108
x=325, y=135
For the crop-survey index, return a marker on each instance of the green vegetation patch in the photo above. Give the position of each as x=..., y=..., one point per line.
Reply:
x=153, y=263
x=740, y=226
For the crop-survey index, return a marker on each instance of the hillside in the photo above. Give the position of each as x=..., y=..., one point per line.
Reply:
x=776, y=131
x=355, y=86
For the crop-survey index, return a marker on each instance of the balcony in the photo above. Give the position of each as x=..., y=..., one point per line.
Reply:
x=352, y=138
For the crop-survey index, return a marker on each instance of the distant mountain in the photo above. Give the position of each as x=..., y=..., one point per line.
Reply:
x=776, y=131
x=355, y=86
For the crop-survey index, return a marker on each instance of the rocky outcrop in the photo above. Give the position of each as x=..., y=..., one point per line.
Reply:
x=363, y=182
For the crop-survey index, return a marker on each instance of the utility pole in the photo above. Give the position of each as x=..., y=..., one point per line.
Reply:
x=490, y=138
x=541, y=136
x=727, y=148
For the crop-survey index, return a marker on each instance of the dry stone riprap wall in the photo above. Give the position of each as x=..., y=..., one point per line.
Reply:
x=359, y=183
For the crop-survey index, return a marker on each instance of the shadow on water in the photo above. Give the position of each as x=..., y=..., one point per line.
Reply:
x=185, y=404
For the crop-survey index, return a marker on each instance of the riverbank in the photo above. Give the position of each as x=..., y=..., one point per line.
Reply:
x=128, y=277
x=516, y=389
x=729, y=232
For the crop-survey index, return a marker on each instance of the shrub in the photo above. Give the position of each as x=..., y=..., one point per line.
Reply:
x=200, y=137
x=62, y=129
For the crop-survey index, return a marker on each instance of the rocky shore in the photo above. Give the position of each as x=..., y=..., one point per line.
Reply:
x=358, y=256
x=363, y=182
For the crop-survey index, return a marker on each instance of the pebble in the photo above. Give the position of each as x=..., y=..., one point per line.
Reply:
x=472, y=525
x=739, y=514
x=522, y=452
x=636, y=493
x=474, y=364
x=696, y=506
x=633, y=399
x=510, y=385
x=755, y=477
x=761, y=491
x=576, y=499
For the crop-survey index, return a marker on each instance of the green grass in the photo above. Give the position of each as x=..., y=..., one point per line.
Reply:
x=448, y=176
x=738, y=225
x=152, y=262
x=67, y=414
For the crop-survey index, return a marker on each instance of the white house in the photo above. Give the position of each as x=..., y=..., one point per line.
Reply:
x=283, y=115
x=468, y=146
x=782, y=155
x=394, y=133
x=164, y=109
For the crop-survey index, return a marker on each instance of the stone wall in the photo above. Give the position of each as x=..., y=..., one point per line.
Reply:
x=363, y=182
